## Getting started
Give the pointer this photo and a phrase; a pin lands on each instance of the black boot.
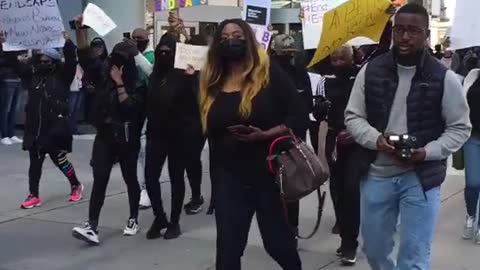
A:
(173, 231)
(158, 225)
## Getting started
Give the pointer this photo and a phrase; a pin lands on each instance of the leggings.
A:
(104, 156)
(194, 169)
(59, 158)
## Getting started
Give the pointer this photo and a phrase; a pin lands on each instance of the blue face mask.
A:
(233, 49)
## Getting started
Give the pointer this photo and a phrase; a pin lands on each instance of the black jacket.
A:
(173, 106)
(47, 100)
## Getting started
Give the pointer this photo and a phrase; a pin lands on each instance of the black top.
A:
(172, 106)
(473, 98)
(337, 91)
(279, 103)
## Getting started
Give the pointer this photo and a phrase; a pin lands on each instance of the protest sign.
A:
(31, 24)
(96, 18)
(355, 18)
(313, 12)
(263, 36)
(161, 5)
(466, 19)
(190, 55)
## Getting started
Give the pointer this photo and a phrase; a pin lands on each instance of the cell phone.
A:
(74, 27)
(240, 129)
(127, 35)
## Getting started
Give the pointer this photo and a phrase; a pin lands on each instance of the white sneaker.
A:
(6, 141)
(15, 139)
(144, 200)
(87, 234)
(132, 228)
(468, 232)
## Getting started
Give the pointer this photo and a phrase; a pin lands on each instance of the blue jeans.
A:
(75, 104)
(382, 200)
(471, 151)
(8, 108)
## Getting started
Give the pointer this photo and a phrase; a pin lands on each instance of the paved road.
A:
(40, 238)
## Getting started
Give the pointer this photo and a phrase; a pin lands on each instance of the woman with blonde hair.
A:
(245, 104)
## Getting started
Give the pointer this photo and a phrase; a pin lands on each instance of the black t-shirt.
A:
(473, 98)
(276, 104)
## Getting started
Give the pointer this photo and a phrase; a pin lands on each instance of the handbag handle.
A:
(272, 147)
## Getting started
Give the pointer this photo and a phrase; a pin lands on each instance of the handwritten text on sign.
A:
(190, 55)
(355, 18)
(31, 24)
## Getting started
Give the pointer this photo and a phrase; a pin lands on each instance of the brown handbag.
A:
(298, 170)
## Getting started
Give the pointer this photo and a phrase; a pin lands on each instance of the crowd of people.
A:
(395, 112)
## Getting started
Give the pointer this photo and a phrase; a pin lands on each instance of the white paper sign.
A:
(190, 55)
(463, 34)
(96, 18)
(313, 11)
(263, 35)
(31, 24)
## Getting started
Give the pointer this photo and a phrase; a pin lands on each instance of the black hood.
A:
(100, 41)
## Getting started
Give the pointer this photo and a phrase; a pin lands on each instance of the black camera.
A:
(404, 145)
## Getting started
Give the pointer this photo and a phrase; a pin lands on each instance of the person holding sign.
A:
(408, 113)
(47, 130)
(246, 102)
(173, 131)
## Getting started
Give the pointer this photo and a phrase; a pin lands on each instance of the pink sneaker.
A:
(76, 194)
(31, 202)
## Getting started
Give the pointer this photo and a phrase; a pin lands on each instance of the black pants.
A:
(194, 169)
(313, 129)
(181, 155)
(59, 158)
(236, 204)
(346, 196)
(104, 155)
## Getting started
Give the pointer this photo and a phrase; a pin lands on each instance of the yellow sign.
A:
(355, 18)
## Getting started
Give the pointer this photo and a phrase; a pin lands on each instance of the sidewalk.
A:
(41, 238)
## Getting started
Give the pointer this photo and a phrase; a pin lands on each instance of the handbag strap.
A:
(272, 147)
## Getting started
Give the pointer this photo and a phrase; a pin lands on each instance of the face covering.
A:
(233, 49)
(44, 69)
(142, 45)
(342, 71)
(165, 60)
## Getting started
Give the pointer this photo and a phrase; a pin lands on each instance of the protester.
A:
(144, 61)
(46, 124)
(10, 88)
(438, 52)
(344, 188)
(245, 104)
(115, 115)
(471, 151)
(76, 98)
(283, 53)
(173, 130)
(404, 92)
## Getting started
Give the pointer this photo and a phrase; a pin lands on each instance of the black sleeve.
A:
(296, 113)
(70, 66)
(307, 92)
(93, 68)
(135, 102)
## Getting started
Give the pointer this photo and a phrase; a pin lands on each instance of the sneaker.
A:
(349, 258)
(132, 228)
(30, 202)
(173, 232)
(144, 200)
(76, 194)
(87, 234)
(339, 252)
(6, 141)
(468, 228)
(155, 230)
(211, 209)
(15, 139)
(194, 206)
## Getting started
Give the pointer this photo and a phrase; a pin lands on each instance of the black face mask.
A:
(142, 45)
(165, 61)
(44, 69)
(343, 71)
(233, 49)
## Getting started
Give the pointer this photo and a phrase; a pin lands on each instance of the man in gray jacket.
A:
(404, 92)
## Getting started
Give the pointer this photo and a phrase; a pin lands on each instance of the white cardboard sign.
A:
(31, 24)
(465, 20)
(98, 20)
(190, 55)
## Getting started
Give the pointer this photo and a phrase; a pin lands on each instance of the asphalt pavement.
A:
(41, 238)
